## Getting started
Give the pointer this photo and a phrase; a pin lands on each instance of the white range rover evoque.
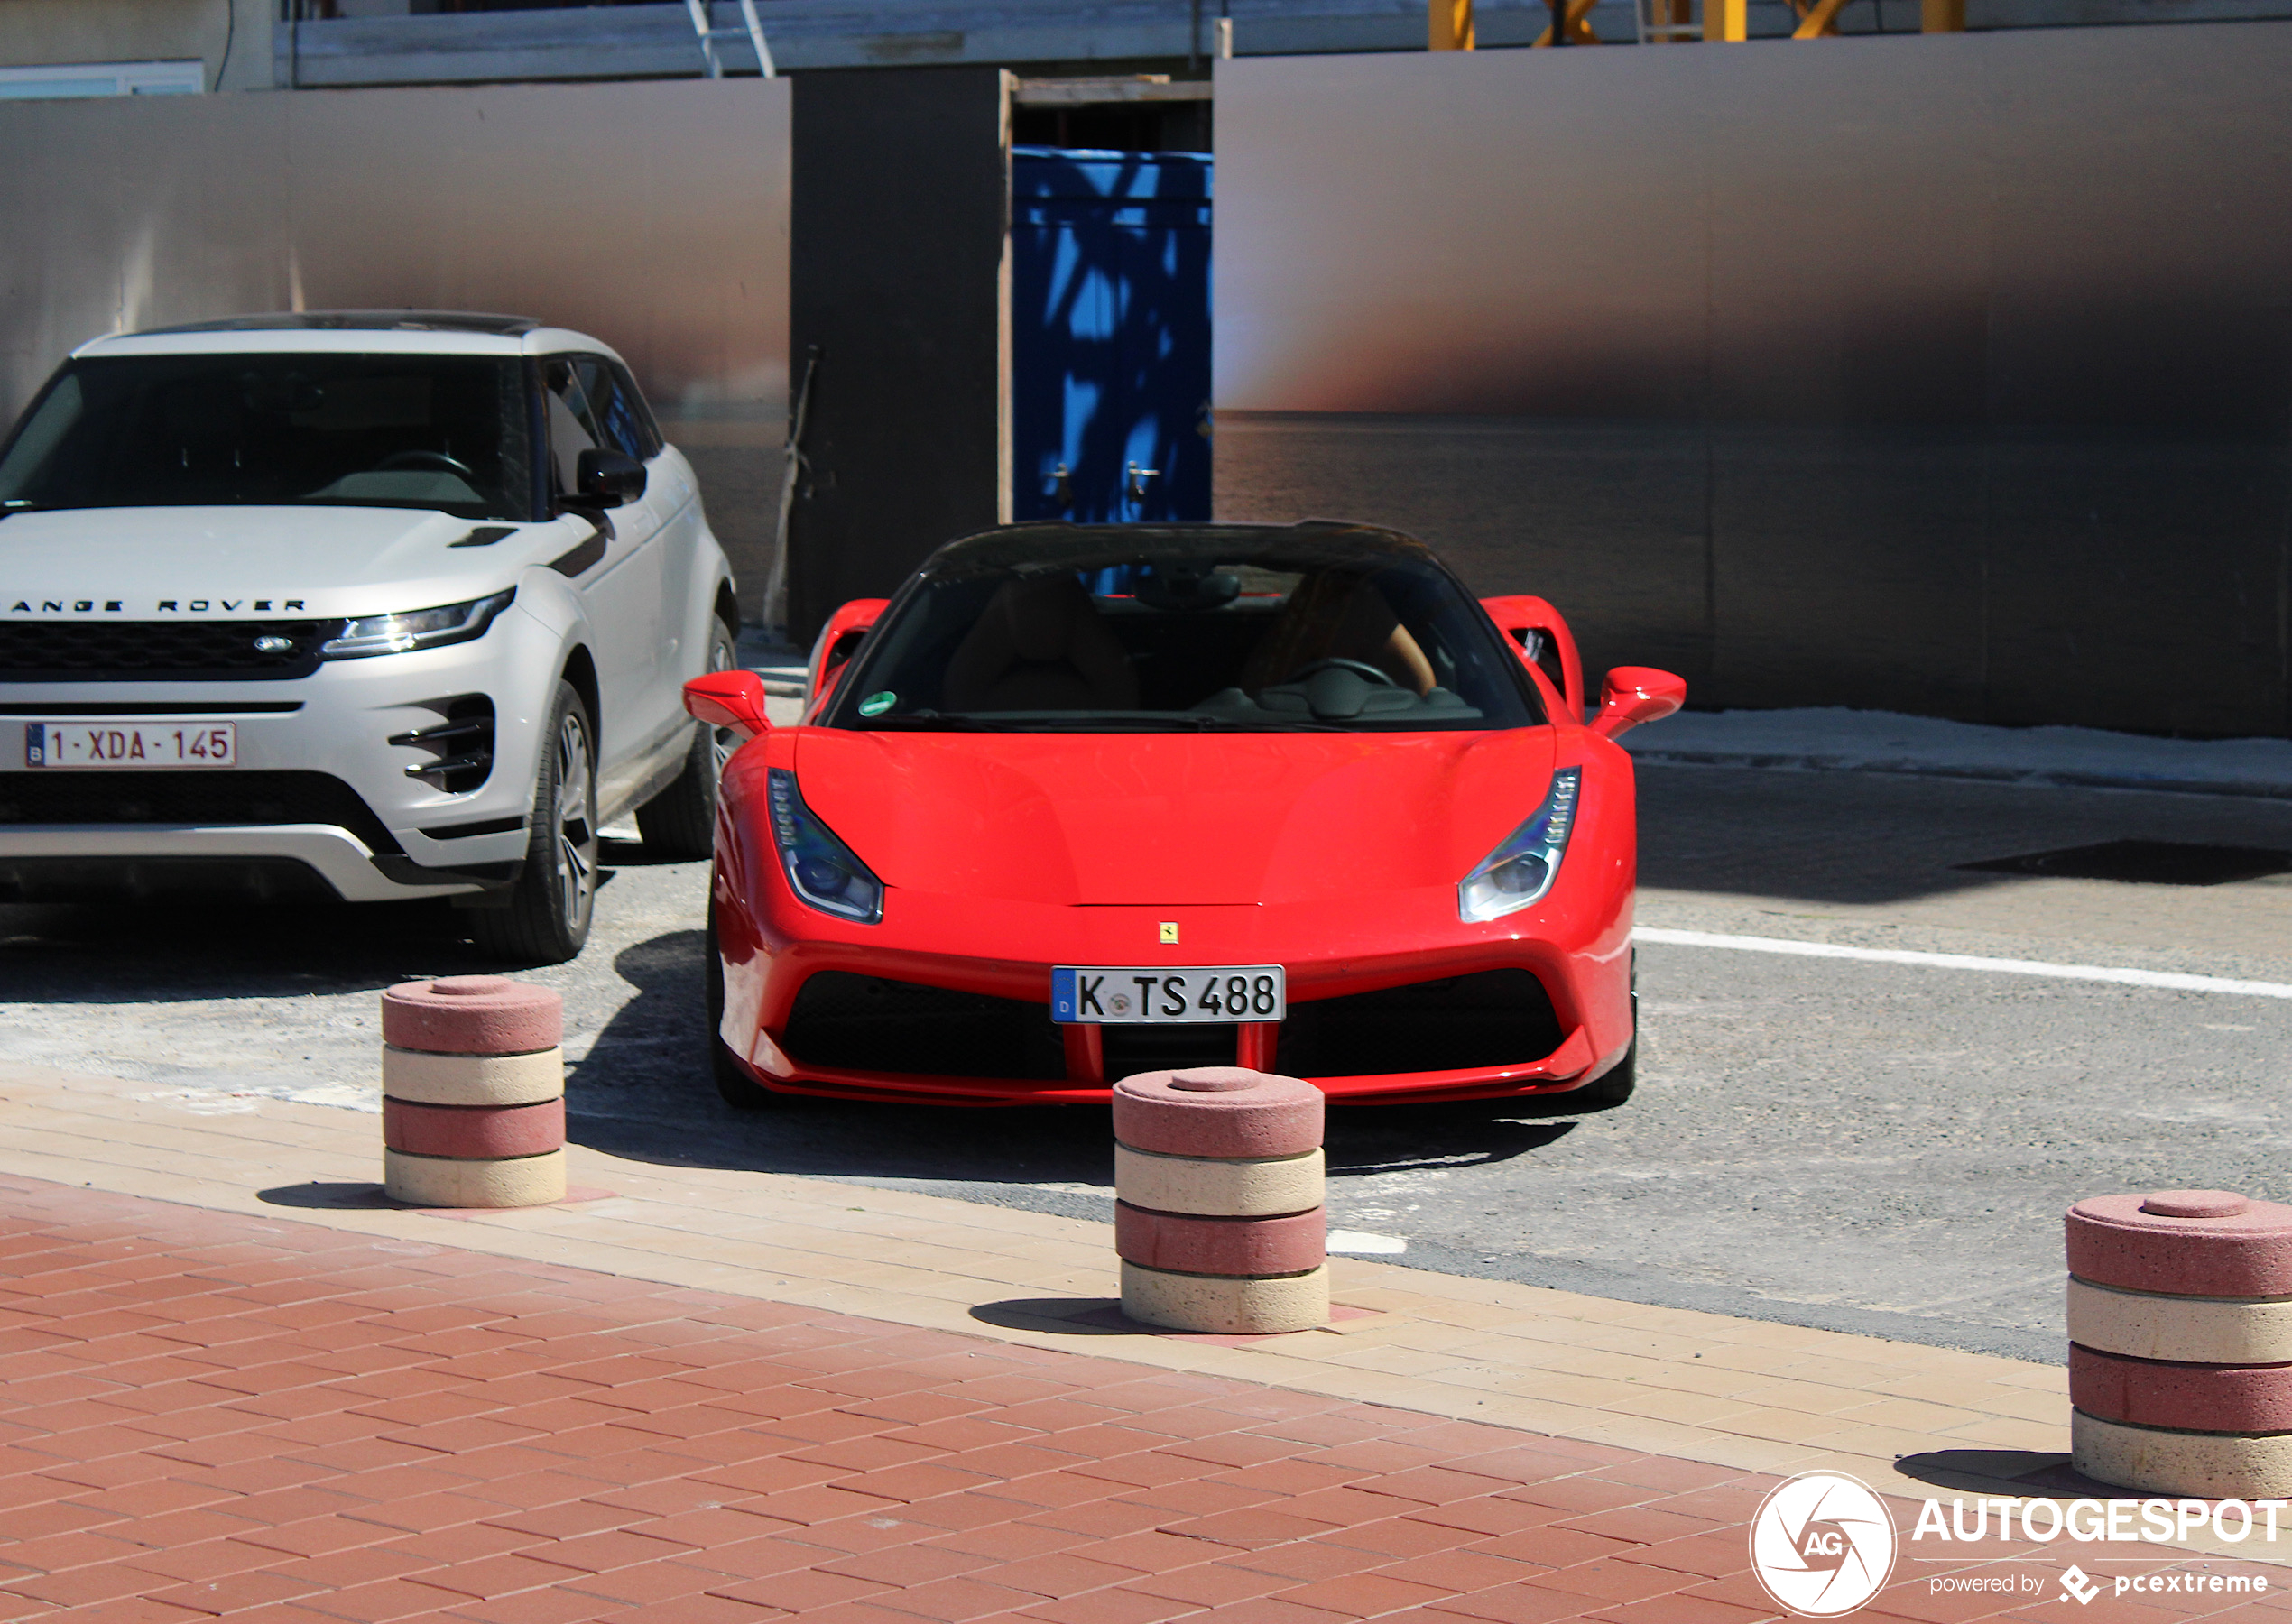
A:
(351, 605)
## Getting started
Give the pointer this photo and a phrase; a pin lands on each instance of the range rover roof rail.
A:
(418, 321)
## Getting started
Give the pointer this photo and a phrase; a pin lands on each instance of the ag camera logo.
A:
(1822, 1544)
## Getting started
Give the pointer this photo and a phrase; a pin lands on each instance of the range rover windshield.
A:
(443, 432)
(1187, 629)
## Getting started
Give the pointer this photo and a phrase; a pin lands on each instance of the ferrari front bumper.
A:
(1519, 1007)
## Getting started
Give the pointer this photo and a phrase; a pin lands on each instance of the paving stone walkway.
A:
(207, 1414)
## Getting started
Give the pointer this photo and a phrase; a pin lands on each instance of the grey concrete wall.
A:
(654, 216)
(1947, 374)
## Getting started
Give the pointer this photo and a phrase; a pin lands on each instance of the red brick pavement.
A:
(203, 1414)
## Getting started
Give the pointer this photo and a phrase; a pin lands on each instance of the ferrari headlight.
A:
(416, 629)
(821, 868)
(1520, 871)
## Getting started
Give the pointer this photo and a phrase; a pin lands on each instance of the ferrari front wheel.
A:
(737, 1088)
(1616, 1086)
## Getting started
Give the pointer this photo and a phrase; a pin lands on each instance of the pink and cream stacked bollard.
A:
(1218, 1215)
(2180, 1333)
(472, 1094)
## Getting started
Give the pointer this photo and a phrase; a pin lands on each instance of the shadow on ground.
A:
(2021, 1472)
(148, 954)
(161, 952)
(1875, 838)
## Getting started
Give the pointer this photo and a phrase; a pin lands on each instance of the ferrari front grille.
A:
(56, 796)
(1461, 1023)
(160, 651)
(1132, 1050)
(867, 1023)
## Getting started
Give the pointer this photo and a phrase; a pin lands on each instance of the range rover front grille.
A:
(159, 650)
(188, 796)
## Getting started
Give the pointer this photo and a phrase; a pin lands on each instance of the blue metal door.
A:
(1110, 341)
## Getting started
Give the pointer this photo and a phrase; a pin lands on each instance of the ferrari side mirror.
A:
(1636, 694)
(733, 699)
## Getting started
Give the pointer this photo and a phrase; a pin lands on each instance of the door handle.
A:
(1062, 487)
(1136, 478)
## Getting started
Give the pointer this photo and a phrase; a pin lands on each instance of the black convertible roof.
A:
(1102, 545)
(404, 321)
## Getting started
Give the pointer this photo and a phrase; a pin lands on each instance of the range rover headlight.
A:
(416, 629)
(821, 869)
(1521, 869)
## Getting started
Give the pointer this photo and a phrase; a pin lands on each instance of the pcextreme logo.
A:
(1822, 1544)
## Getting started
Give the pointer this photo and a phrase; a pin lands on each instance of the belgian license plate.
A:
(1160, 996)
(131, 744)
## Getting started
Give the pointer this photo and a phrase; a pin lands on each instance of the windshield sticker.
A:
(876, 705)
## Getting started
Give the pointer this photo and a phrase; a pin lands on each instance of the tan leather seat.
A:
(1040, 646)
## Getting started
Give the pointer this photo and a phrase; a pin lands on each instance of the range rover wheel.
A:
(682, 820)
(548, 916)
(740, 1090)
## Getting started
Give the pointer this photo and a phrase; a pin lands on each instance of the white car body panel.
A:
(640, 616)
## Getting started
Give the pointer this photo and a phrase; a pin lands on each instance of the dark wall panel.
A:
(901, 193)
(1950, 374)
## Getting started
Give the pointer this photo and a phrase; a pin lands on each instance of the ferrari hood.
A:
(231, 563)
(1172, 819)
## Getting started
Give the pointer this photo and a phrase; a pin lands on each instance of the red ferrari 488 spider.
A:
(1086, 801)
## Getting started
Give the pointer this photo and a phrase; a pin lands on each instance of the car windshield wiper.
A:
(931, 721)
(1270, 725)
(1164, 722)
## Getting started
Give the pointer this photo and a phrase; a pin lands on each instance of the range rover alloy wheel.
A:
(682, 820)
(549, 909)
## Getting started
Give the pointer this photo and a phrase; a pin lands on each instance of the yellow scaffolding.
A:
(1449, 22)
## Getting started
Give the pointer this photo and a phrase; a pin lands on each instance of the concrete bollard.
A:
(1218, 1213)
(2180, 1343)
(472, 1094)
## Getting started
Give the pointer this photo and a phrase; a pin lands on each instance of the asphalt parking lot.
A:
(1875, 1147)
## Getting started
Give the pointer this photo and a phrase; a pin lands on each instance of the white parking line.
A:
(1360, 1242)
(1967, 961)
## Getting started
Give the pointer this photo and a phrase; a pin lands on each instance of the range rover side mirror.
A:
(733, 699)
(1636, 694)
(603, 478)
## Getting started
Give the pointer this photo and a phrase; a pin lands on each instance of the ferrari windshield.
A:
(1185, 628)
(447, 432)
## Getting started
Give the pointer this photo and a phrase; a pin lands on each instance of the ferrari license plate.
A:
(131, 744)
(1162, 996)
